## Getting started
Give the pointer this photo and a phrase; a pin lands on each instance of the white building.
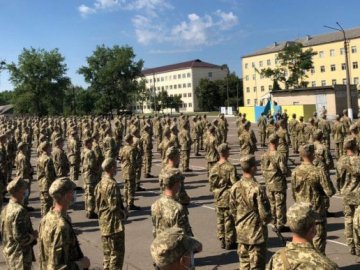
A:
(181, 79)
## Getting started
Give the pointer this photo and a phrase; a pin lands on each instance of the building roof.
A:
(309, 41)
(6, 108)
(197, 63)
(337, 87)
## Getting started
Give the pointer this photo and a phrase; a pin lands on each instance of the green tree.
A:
(208, 95)
(79, 101)
(6, 97)
(39, 81)
(112, 73)
(294, 61)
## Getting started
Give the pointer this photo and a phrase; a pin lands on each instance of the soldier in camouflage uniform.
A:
(3, 167)
(348, 175)
(300, 130)
(18, 235)
(112, 215)
(262, 129)
(270, 128)
(354, 134)
(89, 176)
(300, 253)
(46, 176)
(274, 171)
(284, 140)
(293, 133)
(74, 155)
(59, 246)
(324, 126)
(147, 146)
(309, 130)
(109, 144)
(310, 184)
(195, 136)
(173, 249)
(212, 155)
(223, 128)
(247, 141)
(61, 162)
(139, 153)
(222, 176)
(185, 147)
(338, 135)
(251, 210)
(158, 130)
(166, 212)
(346, 121)
(127, 160)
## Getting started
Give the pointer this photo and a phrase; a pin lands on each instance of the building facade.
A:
(329, 63)
(181, 79)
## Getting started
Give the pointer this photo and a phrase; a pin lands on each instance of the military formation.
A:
(95, 149)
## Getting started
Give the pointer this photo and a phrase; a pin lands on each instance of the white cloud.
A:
(85, 10)
(227, 20)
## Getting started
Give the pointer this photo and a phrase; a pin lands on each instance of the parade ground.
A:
(138, 228)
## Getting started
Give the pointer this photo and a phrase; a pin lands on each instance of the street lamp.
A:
(348, 95)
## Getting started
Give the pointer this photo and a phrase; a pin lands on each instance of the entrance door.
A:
(320, 103)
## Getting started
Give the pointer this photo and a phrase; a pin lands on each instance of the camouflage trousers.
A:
(252, 256)
(294, 143)
(89, 197)
(349, 212)
(319, 241)
(46, 202)
(19, 260)
(184, 159)
(356, 226)
(262, 138)
(1, 195)
(114, 251)
(196, 146)
(339, 149)
(285, 156)
(129, 191)
(74, 171)
(138, 172)
(225, 225)
(277, 201)
(147, 161)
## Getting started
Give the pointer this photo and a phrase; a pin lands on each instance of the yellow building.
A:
(329, 63)
(181, 79)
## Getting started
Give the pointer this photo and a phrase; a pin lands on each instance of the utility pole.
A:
(237, 96)
(346, 43)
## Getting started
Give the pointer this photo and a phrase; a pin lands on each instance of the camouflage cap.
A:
(172, 151)
(318, 134)
(247, 161)
(307, 149)
(128, 138)
(171, 244)
(350, 143)
(58, 139)
(44, 145)
(223, 147)
(60, 186)
(21, 145)
(314, 113)
(16, 184)
(301, 217)
(211, 128)
(344, 111)
(273, 138)
(73, 132)
(170, 177)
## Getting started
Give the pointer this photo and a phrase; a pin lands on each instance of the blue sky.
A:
(163, 31)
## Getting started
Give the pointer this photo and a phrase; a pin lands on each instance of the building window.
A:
(333, 67)
(322, 69)
(313, 84)
(246, 65)
(210, 74)
(333, 82)
(179, 76)
(260, 63)
(254, 88)
(332, 52)
(189, 75)
(184, 85)
(321, 54)
(174, 77)
(166, 87)
(189, 95)
(268, 62)
(175, 86)
(270, 87)
(312, 71)
(343, 66)
(353, 49)
(248, 101)
(355, 65)
(162, 79)
(356, 80)
(344, 81)
(254, 77)
(185, 105)
(190, 105)
(262, 88)
(179, 86)
(342, 51)
(255, 101)
(323, 83)
(247, 77)
(189, 85)
(162, 88)
(184, 75)
(247, 89)
(157, 79)
(171, 87)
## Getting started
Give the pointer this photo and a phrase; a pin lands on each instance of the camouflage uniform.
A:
(293, 134)
(195, 136)
(262, 129)
(128, 159)
(222, 177)
(338, 135)
(223, 129)
(185, 148)
(89, 176)
(98, 156)
(212, 155)
(147, 146)
(325, 127)
(247, 141)
(111, 213)
(24, 170)
(250, 208)
(61, 162)
(283, 147)
(300, 130)
(109, 146)
(17, 237)
(74, 157)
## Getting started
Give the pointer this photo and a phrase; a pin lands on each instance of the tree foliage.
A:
(164, 101)
(112, 73)
(39, 81)
(294, 61)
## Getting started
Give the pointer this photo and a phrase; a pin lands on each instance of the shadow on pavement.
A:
(218, 260)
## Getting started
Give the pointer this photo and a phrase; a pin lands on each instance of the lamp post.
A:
(348, 95)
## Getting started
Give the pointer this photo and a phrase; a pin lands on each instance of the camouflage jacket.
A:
(338, 132)
(98, 155)
(250, 208)
(89, 166)
(300, 128)
(292, 127)
(17, 236)
(270, 129)
(59, 247)
(309, 132)
(167, 213)
(222, 177)
(247, 141)
(73, 148)
(185, 139)
(23, 166)
(346, 121)
(283, 146)
(212, 154)
(163, 146)
(325, 127)
(109, 147)
(262, 124)
(61, 162)
(46, 172)
(300, 256)
(323, 157)
(147, 144)
(127, 160)
(274, 170)
(109, 206)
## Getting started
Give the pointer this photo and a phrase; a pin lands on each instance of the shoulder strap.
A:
(284, 260)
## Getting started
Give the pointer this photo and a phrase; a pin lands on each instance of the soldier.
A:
(195, 136)
(262, 128)
(166, 212)
(325, 127)
(338, 135)
(74, 157)
(112, 215)
(173, 249)
(46, 176)
(139, 153)
(118, 133)
(247, 141)
(274, 171)
(147, 146)
(300, 253)
(348, 177)
(59, 246)
(300, 130)
(250, 208)
(222, 176)
(354, 134)
(185, 147)
(309, 130)
(165, 143)
(127, 160)
(18, 235)
(212, 155)
(174, 141)
(89, 176)
(61, 162)
(109, 144)
(24, 170)
(158, 130)
(293, 133)
(283, 146)
(98, 154)
(270, 128)
(3, 167)
(223, 128)
(315, 119)
(310, 184)
(346, 121)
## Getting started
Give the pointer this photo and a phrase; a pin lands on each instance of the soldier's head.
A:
(129, 139)
(167, 132)
(62, 191)
(3, 138)
(354, 129)
(318, 135)
(22, 146)
(345, 112)
(301, 118)
(247, 125)
(224, 150)
(337, 117)
(282, 123)
(301, 219)
(171, 181)
(315, 114)
(173, 156)
(109, 166)
(248, 164)
(46, 147)
(307, 152)
(174, 129)
(17, 189)
(88, 142)
(294, 115)
(95, 136)
(212, 129)
(271, 121)
(172, 249)
(273, 141)
(59, 142)
(350, 146)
